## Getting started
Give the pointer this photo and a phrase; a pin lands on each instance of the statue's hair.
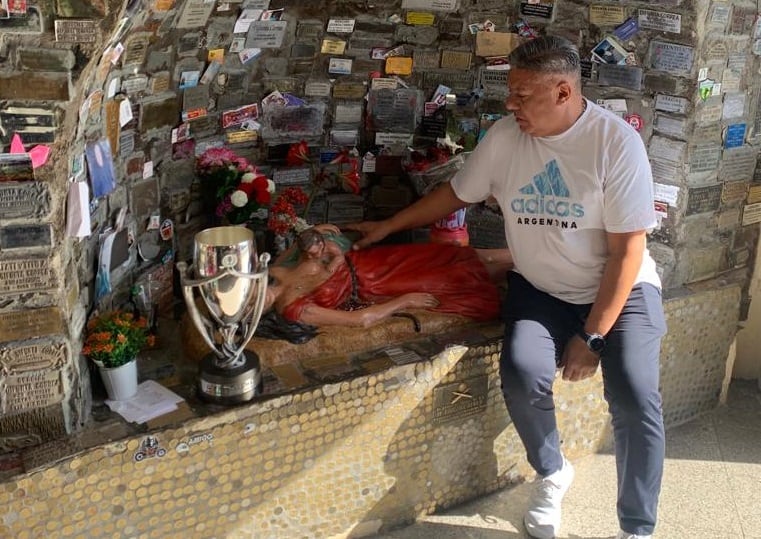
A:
(308, 238)
(547, 54)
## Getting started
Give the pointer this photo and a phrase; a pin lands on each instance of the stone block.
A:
(39, 59)
(35, 86)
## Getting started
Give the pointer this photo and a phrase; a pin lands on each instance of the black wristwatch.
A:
(595, 342)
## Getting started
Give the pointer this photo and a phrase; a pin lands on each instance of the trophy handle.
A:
(202, 323)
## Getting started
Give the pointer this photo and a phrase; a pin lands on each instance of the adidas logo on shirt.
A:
(547, 196)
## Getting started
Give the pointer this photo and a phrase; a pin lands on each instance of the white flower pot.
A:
(120, 382)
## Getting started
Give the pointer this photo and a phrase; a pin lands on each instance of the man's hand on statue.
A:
(578, 361)
(420, 300)
(372, 232)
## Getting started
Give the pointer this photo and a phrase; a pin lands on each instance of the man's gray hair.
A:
(547, 54)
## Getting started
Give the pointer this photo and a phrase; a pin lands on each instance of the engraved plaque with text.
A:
(703, 199)
(26, 275)
(31, 391)
(16, 360)
(30, 323)
(460, 400)
(24, 199)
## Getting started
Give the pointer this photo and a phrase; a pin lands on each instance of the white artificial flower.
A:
(270, 186)
(239, 198)
(248, 177)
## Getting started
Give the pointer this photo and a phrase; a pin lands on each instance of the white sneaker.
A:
(626, 535)
(542, 520)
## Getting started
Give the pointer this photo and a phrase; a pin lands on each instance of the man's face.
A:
(537, 101)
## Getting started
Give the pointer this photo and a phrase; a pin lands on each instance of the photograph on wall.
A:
(100, 165)
(609, 51)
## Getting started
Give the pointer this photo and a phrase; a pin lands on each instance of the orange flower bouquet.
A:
(114, 338)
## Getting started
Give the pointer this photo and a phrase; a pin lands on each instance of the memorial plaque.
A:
(35, 85)
(622, 76)
(458, 81)
(606, 15)
(660, 83)
(671, 103)
(709, 111)
(195, 14)
(707, 133)
(135, 84)
(76, 30)
(734, 106)
(433, 126)
(27, 199)
(704, 157)
(738, 164)
(266, 34)
(348, 113)
(32, 391)
(751, 214)
(311, 29)
(535, 9)
(16, 167)
(25, 237)
(494, 82)
(426, 59)
(735, 191)
(318, 89)
(349, 89)
(742, 20)
(664, 171)
(703, 199)
(133, 166)
(671, 57)
(460, 400)
(31, 324)
(19, 360)
(737, 61)
(18, 276)
(671, 125)
(430, 5)
(284, 177)
(451, 59)
(159, 111)
(660, 21)
(34, 59)
(136, 49)
(728, 219)
(126, 143)
(716, 53)
(754, 194)
(666, 149)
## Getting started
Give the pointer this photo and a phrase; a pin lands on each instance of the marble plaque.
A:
(266, 34)
(195, 14)
(136, 49)
(703, 199)
(458, 81)
(31, 391)
(76, 30)
(536, 9)
(664, 171)
(671, 125)
(25, 236)
(666, 149)
(671, 103)
(671, 57)
(622, 76)
(738, 164)
(494, 82)
(460, 400)
(318, 89)
(728, 219)
(660, 21)
(709, 111)
(705, 157)
(284, 177)
(26, 358)
(24, 199)
(30, 324)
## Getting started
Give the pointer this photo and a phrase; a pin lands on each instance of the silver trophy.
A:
(233, 288)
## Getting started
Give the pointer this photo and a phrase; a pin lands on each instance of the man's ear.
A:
(564, 91)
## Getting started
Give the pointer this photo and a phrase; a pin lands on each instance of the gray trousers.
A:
(537, 327)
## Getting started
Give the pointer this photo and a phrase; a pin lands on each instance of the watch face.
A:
(596, 344)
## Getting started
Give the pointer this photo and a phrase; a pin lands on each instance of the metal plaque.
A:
(24, 199)
(349, 89)
(671, 57)
(539, 10)
(17, 360)
(703, 199)
(25, 236)
(622, 76)
(460, 400)
(453, 59)
(76, 30)
(426, 59)
(606, 15)
(26, 275)
(30, 324)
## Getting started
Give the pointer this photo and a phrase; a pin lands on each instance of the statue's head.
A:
(311, 243)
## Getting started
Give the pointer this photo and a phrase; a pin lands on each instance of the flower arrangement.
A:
(114, 338)
(237, 187)
(283, 218)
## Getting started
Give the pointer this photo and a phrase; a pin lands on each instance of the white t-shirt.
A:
(561, 194)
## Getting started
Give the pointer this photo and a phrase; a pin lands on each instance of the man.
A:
(575, 187)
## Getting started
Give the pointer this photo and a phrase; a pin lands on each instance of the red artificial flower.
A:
(298, 154)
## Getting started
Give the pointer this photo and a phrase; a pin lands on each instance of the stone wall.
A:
(77, 74)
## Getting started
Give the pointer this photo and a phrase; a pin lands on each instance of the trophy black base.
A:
(230, 386)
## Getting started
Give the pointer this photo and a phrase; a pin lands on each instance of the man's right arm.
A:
(435, 205)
